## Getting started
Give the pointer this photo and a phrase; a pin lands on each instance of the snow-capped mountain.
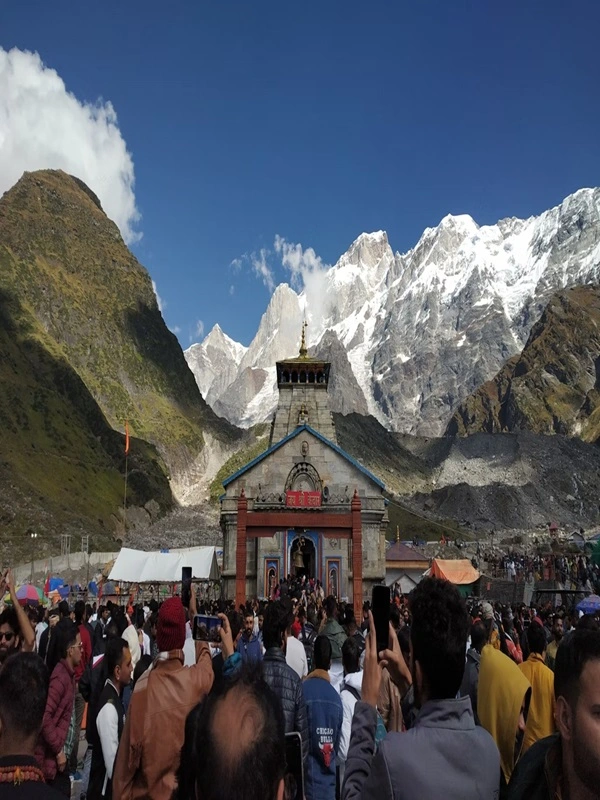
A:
(215, 363)
(421, 329)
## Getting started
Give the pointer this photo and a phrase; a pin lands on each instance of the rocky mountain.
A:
(553, 386)
(510, 481)
(216, 362)
(83, 348)
(424, 329)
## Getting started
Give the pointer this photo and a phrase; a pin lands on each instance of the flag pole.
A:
(126, 466)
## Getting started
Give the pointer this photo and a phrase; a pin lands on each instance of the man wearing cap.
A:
(149, 752)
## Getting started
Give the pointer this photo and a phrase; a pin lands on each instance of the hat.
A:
(170, 630)
(487, 612)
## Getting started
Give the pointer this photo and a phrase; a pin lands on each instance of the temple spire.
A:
(303, 348)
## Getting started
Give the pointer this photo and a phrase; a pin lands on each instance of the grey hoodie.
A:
(444, 755)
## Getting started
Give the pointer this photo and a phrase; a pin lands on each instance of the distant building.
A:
(304, 506)
(404, 566)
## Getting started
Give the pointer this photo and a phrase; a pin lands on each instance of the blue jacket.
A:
(249, 649)
(325, 715)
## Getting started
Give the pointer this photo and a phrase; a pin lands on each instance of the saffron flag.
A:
(126, 437)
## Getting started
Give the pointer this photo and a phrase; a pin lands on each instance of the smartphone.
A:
(206, 628)
(186, 586)
(294, 775)
(380, 607)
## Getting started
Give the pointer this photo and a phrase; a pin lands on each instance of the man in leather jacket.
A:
(279, 676)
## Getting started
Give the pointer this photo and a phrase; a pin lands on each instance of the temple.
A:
(304, 506)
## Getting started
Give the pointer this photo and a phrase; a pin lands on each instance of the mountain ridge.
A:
(425, 328)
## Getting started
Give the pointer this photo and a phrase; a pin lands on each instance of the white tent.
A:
(139, 566)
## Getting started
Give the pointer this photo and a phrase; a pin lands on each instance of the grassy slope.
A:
(553, 386)
(61, 465)
(66, 261)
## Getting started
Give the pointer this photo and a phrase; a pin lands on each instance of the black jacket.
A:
(288, 687)
(98, 768)
(537, 772)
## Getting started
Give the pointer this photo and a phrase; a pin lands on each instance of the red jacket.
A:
(57, 718)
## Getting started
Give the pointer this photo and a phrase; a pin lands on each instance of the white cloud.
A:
(175, 329)
(237, 263)
(262, 269)
(161, 303)
(199, 331)
(308, 274)
(44, 126)
(232, 289)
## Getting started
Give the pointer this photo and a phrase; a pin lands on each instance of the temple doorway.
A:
(303, 558)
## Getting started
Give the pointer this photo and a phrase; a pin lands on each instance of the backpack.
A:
(380, 730)
(308, 640)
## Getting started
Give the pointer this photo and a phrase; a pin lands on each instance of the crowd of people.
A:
(574, 571)
(293, 699)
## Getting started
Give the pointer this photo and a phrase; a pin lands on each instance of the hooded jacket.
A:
(444, 755)
(324, 710)
(501, 693)
(336, 635)
(540, 720)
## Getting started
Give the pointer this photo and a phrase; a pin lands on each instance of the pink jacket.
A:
(57, 718)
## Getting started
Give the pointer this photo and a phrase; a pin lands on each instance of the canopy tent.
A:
(405, 581)
(458, 570)
(139, 566)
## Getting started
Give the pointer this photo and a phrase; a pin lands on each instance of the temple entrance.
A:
(303, 558)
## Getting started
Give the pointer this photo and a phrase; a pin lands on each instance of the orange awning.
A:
(457, 570)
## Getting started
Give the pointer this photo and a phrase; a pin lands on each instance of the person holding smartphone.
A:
(147, 761)
(444, 754)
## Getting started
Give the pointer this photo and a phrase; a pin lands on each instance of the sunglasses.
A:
(8, 636)
(77, 644)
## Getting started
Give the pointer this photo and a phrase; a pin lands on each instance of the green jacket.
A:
(336, 635)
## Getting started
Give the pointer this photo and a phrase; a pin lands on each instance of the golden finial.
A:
(303, 349)
(397, 533)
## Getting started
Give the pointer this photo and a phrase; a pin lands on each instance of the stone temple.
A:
(304, 506)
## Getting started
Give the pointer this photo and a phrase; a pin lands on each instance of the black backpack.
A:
(307, 637)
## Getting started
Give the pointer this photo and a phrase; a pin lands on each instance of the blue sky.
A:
(317, 121)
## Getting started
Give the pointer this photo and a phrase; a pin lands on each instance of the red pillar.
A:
(355, 507)
(240, 551)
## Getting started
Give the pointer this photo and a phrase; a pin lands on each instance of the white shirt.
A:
(354, 679)
(39, 629)
(295, 656)
(107, 723)
(189, 647)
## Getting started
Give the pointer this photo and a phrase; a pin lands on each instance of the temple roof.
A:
(300, 429)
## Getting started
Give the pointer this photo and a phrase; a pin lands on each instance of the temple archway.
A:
(303, 557)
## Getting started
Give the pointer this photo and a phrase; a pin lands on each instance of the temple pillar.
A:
(355, 508)
(241, 551)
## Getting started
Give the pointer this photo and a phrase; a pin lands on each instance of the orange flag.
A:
(126, 437)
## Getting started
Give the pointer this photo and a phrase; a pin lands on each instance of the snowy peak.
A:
(422, 329)
(219, 340)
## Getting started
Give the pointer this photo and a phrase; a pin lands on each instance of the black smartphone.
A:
(294, 775)
(206, 628)
(380, 607)
(186, 586)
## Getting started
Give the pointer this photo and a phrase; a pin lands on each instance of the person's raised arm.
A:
(27, 632)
